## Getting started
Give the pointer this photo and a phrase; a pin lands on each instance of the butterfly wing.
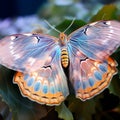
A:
(38, 58)
(47, 85)
(26, 52)
(89, 47)
(90, 77)
(97, 40)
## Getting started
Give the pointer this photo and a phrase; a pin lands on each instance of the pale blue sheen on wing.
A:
(91, 81)
(37, 86)
(39, 54)
(81, 74)
(45, 89)
(103, 67)
(48, 82)
(97, 40)
(26, 77)
(57, 77)
(98, 75)
(30, 81)
(23, 52)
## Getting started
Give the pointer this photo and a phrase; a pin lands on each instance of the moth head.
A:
(63, 38)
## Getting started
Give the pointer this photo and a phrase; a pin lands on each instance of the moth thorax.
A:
(64, 57)
(63, 39)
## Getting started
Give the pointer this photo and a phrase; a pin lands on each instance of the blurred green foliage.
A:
(108, 12)
(64, 112)
(104, 106)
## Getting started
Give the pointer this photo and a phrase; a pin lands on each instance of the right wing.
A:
(90, 77)
(96, 40)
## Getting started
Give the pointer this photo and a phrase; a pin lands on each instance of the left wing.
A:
(26, 52)
(37, 57)
(97, 40)
(47, 85)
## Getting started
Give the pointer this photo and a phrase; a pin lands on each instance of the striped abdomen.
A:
(64, 57)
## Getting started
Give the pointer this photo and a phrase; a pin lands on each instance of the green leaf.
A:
(64, 112)
(65, 24)
(81, 109)
(115, 83)
(108, 12)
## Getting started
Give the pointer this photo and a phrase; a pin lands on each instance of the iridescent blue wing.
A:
(89, 47)
(26, 52)
(47, 85)
(97, 40)
(90, 77)
(38, 59)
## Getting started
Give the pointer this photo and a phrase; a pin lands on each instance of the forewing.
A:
(26, 52)
(89, 77)
(96, 40)
(46, 85)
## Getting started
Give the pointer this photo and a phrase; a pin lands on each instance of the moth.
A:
(40, 60)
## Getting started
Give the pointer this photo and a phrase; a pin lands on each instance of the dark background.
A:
(13, 8)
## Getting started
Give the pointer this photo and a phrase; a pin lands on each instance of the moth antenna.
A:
(104, 15)
(69, 25)
(52, 26)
